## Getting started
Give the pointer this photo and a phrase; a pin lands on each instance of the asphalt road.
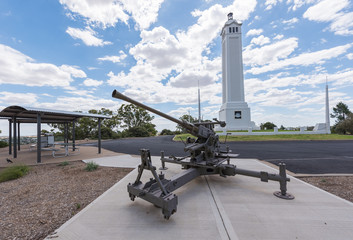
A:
(308, 157)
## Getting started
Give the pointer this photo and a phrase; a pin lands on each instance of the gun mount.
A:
(204, 148)
(205, 158)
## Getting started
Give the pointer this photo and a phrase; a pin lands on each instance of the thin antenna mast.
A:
(328, 128)
(198, 88)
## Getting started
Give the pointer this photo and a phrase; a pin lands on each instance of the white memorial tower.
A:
(234, 110)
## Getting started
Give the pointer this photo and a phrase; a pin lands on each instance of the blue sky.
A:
(71, 55)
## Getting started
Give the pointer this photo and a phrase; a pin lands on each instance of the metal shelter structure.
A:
(18, 114)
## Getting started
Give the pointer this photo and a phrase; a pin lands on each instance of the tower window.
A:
(236, 29)
(230, 30)
(233, 29)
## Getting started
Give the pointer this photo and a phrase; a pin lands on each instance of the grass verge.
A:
(284, 137)
(13, 172)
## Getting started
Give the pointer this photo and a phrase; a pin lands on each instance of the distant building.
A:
(234, 110)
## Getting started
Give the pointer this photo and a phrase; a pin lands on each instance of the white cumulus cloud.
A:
(334, 12)
(191, 79)
(295, 4)
(144, 12)
(169, 66)
(271, 3)
(304, 59)
(21, 99)
(325, 10)
(74, 71)
(99, 12)
(83, 104)
(92, 83)
(114, 59)
(269, 53)
(278, 37)
(254, 32)
(260, 40)
(18, 68)
(87, 36)
(107, 13)
(290, 21)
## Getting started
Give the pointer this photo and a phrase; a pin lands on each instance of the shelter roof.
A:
(29, 114)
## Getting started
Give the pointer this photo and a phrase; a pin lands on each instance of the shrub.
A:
(167, 132)
(13, 172)
(136, 132)
(77, 206)
(91, 166)
(267, 125)
(62, 164)
(3, 144)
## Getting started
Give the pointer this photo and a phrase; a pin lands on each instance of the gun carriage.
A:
(205, 158)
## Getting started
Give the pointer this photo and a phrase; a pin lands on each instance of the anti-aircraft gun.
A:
(205, 158)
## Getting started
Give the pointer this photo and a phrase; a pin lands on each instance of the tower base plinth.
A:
(236, 115)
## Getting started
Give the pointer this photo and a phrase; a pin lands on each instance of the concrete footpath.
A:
(213, 207)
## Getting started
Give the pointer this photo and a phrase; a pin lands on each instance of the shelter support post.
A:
(19, 137)
(66, 137)
(10, 137)
(99, 136)
(14, 138)
(73, 134)
(39, 130)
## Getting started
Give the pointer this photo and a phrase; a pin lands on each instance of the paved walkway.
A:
(124, 161)
(214, 208)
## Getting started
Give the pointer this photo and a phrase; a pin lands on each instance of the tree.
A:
(43, 131)
(267, 125)
(136, 120)
(340, 112)
(167, 132)
(133, 116)
(346, 125)
(185, 118)
(87, 127)
(108, 125)
(112, 122)
(282, 128)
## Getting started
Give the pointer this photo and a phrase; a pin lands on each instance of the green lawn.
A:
(275, 137)
(269, 130)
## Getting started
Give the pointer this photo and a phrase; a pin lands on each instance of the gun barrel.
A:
(121, 96)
